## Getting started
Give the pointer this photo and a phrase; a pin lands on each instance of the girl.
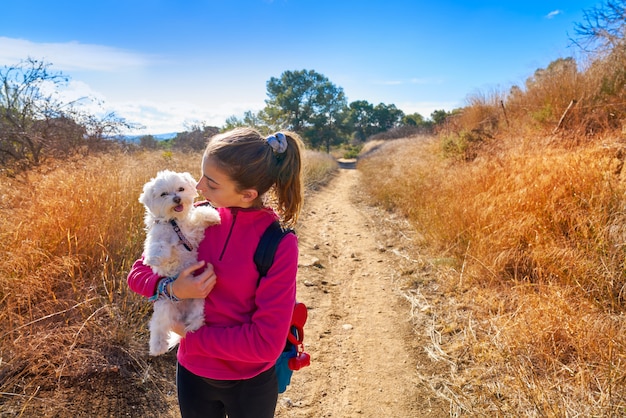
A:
(227, 366)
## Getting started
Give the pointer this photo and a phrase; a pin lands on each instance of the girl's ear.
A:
(249, 195)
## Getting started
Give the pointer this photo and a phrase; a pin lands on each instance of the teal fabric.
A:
(283, 372)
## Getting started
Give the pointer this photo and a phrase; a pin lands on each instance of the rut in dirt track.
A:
(364, 351)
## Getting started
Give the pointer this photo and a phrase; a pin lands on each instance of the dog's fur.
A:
(168, 196)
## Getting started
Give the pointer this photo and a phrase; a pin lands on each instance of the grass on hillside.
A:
(530, 246)
(69, 233)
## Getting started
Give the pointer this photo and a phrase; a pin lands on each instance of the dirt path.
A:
(364, 352)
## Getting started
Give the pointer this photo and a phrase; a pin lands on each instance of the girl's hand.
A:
(188, 286)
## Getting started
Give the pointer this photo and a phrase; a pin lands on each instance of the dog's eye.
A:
(163, 194)
(181, 189)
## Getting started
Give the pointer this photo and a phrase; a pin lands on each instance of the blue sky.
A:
(167, 64)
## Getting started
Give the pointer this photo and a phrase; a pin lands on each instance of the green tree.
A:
(307, 103)
(326, 121)
(439, 116)
(364, 119)
(386, 117)
(254, 120)
(291, 99)
(414, 119)
(417, 123)
(360, 116)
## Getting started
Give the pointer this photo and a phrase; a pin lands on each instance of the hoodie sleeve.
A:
(142, 280)
(263, 338)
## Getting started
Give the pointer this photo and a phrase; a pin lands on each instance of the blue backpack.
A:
(293, 356)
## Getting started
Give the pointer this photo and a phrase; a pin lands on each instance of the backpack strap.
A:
(265, 251)
(293, 356)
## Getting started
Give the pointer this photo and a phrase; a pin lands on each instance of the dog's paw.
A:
(158, 346)
(206, 216)
(148, 258)
(194, 325)
(172, 340)
(193, 316)
(152, 260)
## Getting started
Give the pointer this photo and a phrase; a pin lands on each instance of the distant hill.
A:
(158, 137)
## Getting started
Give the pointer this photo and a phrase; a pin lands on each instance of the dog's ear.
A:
(145, 198)
(146, 195)
(190, 180)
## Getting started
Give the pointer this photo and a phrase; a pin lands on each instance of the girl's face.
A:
(220, 190)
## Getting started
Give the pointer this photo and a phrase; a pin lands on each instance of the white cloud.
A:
(75, 90)
(554, 14)
(426, 108)
(158, 117)
(152, 117)
(71, 55)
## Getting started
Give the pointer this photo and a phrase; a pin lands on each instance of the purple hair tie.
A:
(278, 142)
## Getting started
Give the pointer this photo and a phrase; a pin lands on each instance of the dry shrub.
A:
(546, 95)
(484, 113)
(602, 107)
(318, 168)
(532, 322)
(472, 131)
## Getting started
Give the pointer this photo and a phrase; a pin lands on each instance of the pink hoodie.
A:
(245, 326)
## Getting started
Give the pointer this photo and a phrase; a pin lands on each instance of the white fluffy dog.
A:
(174, 228)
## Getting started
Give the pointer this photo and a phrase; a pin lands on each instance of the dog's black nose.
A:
(177, 199)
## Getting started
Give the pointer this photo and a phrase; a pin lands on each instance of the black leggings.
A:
(250, 398)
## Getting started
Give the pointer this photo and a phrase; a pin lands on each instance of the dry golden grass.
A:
(317, 168)
(529, 246)
(68, 236)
